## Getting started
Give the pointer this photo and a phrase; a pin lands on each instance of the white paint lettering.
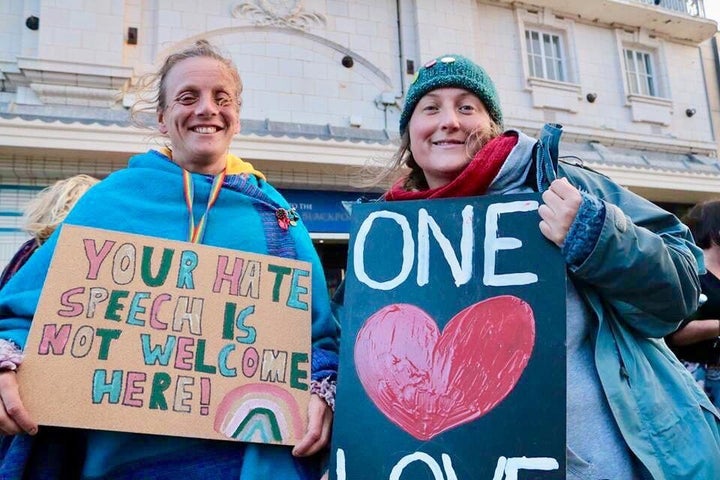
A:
(506, 468)
(515, 464)
(494, 244)
(417, 457)
(447, 465)
(340, 464)
(407, 251)
(461, 271)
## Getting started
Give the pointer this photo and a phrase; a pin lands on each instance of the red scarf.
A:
(474, 180)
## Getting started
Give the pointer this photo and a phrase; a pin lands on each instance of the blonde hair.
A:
(50, 207)
(415, 179)
(151, 89)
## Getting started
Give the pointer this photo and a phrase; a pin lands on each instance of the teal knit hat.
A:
(449, 71)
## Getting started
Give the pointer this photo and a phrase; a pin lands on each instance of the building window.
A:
(545, 55)
(640, 73)
(549, 61)
(642, 59)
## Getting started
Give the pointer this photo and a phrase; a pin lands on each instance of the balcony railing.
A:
(683, 20)
(689, 7)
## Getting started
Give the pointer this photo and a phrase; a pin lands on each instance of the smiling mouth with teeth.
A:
(205, 129)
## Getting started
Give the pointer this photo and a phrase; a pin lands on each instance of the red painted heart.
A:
(426, 382)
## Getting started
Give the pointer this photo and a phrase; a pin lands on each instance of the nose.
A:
(449, 119)
(206, 106)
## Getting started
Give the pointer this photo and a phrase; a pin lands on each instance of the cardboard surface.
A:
(147, 335)
(453, 347)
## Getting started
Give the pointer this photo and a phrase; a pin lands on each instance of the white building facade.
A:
(324, 81)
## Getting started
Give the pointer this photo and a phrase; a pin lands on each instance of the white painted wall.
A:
(296, 75)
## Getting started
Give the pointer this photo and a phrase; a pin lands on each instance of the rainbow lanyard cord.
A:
(196, 232)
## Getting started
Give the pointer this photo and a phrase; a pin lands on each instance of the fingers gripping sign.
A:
(561, 204)
(14, 418)
(319, 425)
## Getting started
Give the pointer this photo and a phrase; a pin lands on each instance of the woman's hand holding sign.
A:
(14, 418)
(562, 202)
(318, 432)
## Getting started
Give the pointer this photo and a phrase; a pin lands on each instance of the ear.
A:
(239, 127)
(161, 122)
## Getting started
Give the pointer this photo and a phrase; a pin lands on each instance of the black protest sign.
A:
(453, 347)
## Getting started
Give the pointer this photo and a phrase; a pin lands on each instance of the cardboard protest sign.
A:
(147, 335)
(452, 361)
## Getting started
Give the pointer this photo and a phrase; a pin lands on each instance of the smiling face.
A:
(439, 128)
(201, 113)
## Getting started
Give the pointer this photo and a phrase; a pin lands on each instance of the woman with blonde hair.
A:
(43, 215)
(192, 190)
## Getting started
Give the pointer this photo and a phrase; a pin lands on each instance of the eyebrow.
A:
(195, 89)
(461, 96)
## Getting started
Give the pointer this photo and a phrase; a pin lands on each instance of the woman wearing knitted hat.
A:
(632, 410)
(192, 190)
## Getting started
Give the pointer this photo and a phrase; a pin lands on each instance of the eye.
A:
(223, 100)
(430, 108)
(468, 108)
(186, 99)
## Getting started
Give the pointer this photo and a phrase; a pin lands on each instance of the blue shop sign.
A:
(322, 211)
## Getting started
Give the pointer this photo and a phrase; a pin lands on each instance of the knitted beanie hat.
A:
(449, 71)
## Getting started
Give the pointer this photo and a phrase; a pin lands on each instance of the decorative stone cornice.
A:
(81, 96)
(69, 83)
(278, 13)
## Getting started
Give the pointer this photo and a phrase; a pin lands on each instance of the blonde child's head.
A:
(50, 207)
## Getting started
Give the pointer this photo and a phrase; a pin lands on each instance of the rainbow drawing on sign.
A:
(259, 413)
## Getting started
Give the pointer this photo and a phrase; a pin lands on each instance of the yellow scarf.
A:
(235, 165)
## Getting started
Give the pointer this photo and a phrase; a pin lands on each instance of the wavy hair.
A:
(50, 206)
(415, 178)
(152, 87)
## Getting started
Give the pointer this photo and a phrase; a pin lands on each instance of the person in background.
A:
(697, 342)
(633, 412)
(192, 190)
(43, 215)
